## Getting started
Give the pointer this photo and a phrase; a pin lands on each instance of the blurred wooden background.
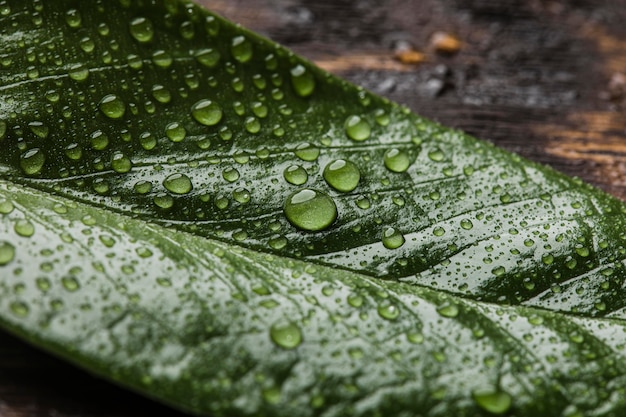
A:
(543, 78)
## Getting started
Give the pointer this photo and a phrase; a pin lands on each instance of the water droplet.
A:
(99, 140)
(241, 195)
(208, 57)
(241, 48)
(175, 132)
(259, 109)
(302, 80)
(310, 210)
(342, 175)
(39, 129)
(162, 58)
(7, 252)
(207, 112)
(439, 231)
(307, 152)
(163, 200)
(73, 18)
(78, 72)
(363, 203)
(230, 174)
(355, 300)
(121, 163)
(286, 334)
(19, 308)
(388, 311)
(272, 395)
(467, 224)
(397, 160)
(141, 29)
(178, 184)
(357, 128)
(32, 161)
(296, 175)
(448, 310)
(582, 251)
(382, 118)
(252, 124)
(436, 155)
(142, 187)
(70, 284)
(492, 401)
(161, 94)
(147, 141)
(278, 242)
(392, 238)
(73, 151)
(24, 228)
(6, 206)
(112, 106)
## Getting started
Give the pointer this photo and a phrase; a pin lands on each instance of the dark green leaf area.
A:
(170, 114)
(218, 329)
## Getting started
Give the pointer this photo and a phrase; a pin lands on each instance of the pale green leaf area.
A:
(195, 213)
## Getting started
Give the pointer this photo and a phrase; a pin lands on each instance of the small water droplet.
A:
(278, 242)
(7, 252)
(467, 224)
(286, 334)
(39, 129)
(70, 284)
(6, 206)
(355, 300)
(19, 308)
(230, 174)
(392, 238)
(163, 200)
(99, 140)
(296, 175)
(448, 310)
(142, 29)
(32, 161)
(493, 401)
(162, 58)
(241, 49)
(142, 187)
(307, 152)
(310, 210)
(252, 124)
(208, 57)
(147, 141)
(73, 151)
(121, 163)
(357, 128)
(161, 94)
(178, 184)
(396, 160)
(73, 18)
(302, 80)
(24, 228)
(388, 311)
(436, 155)
(241, 195)
(112, 106)
(207, 112)
(78, 72)
(342, 175)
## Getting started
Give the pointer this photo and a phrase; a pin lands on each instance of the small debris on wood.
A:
(445, 43)
(406, 54)
(617, 87)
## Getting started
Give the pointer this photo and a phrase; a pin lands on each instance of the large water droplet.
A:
(397, 160)
(178, 184)
(357, 128)
(112, 106)
(310, 210)
(32, 161)
(7, 252)
(392, 238)
(495, 402)
(342, 175)
(286, 334)
(141, 29)
(207, 112)
(296, 175)
(241, 49)
(302, 81)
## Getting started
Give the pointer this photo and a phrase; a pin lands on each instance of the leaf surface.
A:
(197, 214)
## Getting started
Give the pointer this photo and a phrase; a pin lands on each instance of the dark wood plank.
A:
(537, 77)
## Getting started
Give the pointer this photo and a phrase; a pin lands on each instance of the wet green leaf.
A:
(197, 214)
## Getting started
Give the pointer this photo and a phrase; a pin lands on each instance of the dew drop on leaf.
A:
(32, 161)
(286, 334)
(206, 112)
(388, 311)
(252, 125)
(396, 160)
(121, 163)
(302, 81)
(310, 210)
(142, 29)
(230, 174)
(295, 174)
(342, 175)
(436, 155)
(142, 187)
(448, 310)
(467, 224)
(7, 252)
(78, 72)
(208, 57)
(73, 151)
(6, 206)
(19, 308)
(307, 152)
(163, 200)
(178, 184)
(392, 238)
(70, 284)
(112, 106)
(161, 94)
(495, 402)
(241, 49)
(73, 18)
(99, 140)
(24, 228)
(357, 128)
(39, 129)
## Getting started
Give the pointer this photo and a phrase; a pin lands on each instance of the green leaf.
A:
(196, 213)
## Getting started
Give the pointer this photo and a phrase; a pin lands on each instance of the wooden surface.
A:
(545, 79)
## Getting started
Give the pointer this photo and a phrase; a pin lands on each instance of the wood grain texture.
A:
(537, 77)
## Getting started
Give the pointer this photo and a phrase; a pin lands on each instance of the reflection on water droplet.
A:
(112, 106)
(141, 29)
(357, 128)
(296, 175)
(241, 49)
(392, 238)
(397, 160)
(310, 210)
(493, 401)
(286, 334)
(206, 112)
(342, 175)
(302, 80)
(32, 161)
(178, 184)
(7, 252)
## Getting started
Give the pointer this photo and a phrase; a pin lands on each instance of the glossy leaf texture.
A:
(198, 214)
